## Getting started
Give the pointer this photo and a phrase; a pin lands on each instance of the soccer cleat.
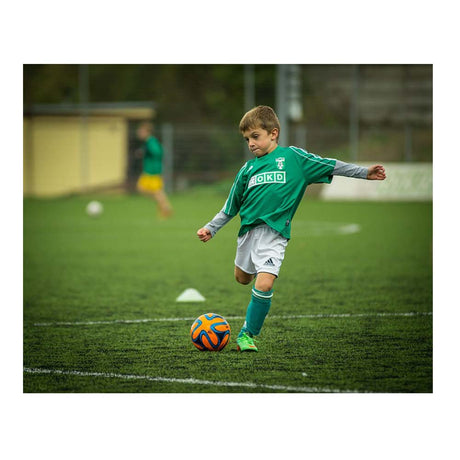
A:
(245, 343)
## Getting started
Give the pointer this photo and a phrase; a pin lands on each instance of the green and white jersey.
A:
(268, 189)
(153, 156)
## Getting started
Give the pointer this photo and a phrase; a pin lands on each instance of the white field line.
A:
(153, 320)
(189, 381)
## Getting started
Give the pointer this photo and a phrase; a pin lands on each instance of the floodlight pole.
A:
(354, 114)
(249, 97)
(281, 102)
(249, 87)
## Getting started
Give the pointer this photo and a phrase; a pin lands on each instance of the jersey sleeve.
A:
(154, 147)
(316, 169)
(235, 197)
(350, 170)
(219, 220)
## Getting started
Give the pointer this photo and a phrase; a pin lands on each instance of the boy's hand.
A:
(204, 234)
(376, 172)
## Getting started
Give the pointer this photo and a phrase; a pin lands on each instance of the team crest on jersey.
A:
(280, 162)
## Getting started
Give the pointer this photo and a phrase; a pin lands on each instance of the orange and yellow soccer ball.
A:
(210, 332)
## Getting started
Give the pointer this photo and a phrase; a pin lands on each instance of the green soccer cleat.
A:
(245, 343)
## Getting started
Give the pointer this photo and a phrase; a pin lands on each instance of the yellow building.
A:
(76, 149)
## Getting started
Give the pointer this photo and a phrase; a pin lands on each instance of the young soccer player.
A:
(150, 181)
(266, 193)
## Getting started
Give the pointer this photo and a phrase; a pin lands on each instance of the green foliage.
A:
(127, 265)
(214, 95)
(182, 92)
(50, 84)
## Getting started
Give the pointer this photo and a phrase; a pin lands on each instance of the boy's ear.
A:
(275, 132)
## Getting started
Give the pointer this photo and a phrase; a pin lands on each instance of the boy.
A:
(150, 181)
(266, 192)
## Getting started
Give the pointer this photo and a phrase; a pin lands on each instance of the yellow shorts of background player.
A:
(150, 183)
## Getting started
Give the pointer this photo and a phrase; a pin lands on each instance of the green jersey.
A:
(268, 189)
(153, 156)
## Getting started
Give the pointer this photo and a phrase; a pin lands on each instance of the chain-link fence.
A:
(197, 154)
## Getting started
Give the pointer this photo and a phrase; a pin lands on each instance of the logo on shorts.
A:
(280, 162)
(273, 177)
(269, 262)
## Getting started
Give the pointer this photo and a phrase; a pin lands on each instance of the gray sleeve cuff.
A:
(349, 170)
(219, 220)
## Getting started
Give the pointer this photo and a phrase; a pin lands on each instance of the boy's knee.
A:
(264, 282)
(243, 279)
(265, 286)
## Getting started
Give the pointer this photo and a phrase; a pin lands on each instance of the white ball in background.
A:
(94, 208)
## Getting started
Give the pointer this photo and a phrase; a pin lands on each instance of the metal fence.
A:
(197, 154)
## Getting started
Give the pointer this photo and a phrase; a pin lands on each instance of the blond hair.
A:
(263, 117)
(147, 125)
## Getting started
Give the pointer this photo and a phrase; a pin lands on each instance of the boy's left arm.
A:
(375, 172)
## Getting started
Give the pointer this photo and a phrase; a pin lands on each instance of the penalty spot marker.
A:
(190, 295)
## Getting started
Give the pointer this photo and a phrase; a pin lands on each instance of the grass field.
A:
(352, 309)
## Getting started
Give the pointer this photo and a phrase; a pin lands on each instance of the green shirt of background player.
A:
(266, 193)
(150, 182)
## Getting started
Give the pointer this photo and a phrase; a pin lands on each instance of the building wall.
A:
(64, 155)
(404, 182)
(26, 157)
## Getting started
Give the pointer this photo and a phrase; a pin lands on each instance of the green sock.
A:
(256, 312)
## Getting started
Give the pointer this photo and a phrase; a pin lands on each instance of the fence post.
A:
(354, 115)
(249, 97)
(281, 102)
(407, 143)
(300, 138)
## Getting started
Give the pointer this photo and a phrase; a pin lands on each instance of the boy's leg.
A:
(259, 251)
(163, 203)
(242, 277)
(264, 281)
(259, 306)
(152, 186)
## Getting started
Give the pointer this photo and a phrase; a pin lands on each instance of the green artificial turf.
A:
(338, 322)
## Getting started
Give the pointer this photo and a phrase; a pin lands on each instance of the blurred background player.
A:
(266, 193)
(150, 181)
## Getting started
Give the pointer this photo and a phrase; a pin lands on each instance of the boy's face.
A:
(142, 133)
(260, 142)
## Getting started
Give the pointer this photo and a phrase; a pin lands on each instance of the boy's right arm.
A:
(204, 234)
(230, 209)
(211, 228)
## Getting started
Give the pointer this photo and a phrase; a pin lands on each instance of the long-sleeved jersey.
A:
(268, 189)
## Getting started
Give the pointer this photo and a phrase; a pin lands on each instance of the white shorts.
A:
(260, 250)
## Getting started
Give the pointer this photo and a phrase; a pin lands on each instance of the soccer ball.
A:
(210, 332)
(94, 208)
